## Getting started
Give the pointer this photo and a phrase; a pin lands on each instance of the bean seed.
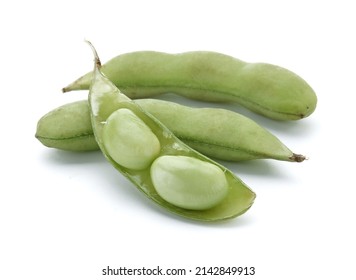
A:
(129, 141)
(188, 182)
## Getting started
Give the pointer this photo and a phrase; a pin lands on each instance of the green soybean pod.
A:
(217, 133)
(266, 89)
(228, 198)
(67, 127)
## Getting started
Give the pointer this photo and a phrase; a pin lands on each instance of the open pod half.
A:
(132, 140)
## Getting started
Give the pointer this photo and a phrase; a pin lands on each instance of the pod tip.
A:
(297, 158)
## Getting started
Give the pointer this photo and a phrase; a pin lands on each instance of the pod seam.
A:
(245, 100)
(67, 138)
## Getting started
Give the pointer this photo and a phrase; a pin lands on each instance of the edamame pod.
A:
(67, 127)
(266, 89)
(234, 197)
(217, 133)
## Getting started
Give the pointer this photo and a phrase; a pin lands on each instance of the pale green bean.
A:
(129, 140)
(188, 182)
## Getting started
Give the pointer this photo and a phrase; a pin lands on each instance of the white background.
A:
(68, 216)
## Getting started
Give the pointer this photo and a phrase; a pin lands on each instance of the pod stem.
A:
(96, 56)
(297, 158)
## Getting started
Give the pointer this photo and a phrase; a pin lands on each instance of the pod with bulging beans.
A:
(168, 171)
(266, 89)
(217, 133)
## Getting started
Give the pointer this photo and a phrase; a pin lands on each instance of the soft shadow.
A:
(260, 167)
(240, 221)
(67, 157)
(297, 128)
